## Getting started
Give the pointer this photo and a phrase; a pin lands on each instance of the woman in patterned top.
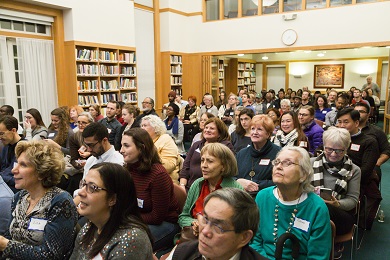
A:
(115, 229)
(43, 216)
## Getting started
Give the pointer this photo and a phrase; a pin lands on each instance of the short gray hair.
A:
(209, 97)
(336, 135)
(156, 123)
(87, 115)
(286, 102)
(246, 214)
(305, 166)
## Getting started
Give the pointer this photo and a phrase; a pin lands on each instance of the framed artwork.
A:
(329, 76)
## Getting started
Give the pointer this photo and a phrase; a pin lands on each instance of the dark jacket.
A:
(314, 135)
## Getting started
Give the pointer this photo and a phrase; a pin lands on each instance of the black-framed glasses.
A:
(82, 123)
(331, 150)
(146, 103)
(362, 111)
(285, 163)
(91, 145)
(91, 187)
(214, 227)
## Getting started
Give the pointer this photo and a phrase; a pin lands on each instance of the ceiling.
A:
(356, 53)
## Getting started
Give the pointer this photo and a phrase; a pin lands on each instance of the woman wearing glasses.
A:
(43, 217)
(34, 128)
(333, 169)
(218, 166)
(292, 207)
(115, 229)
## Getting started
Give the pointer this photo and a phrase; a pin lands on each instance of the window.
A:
(26, 27)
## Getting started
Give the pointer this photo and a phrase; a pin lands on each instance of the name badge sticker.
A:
(301, 224)
(324, 112)
(303, 144)
(264, 162)
(232, 113)
(109, 130)
(51, 135)
(140, 203)
(37, 224)
(355, 147)
(197, 150)
(209, 110)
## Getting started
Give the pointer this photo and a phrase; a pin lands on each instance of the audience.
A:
(6, 196)
(206, 116)
(331, 117)
(226, 111)
(311, 129)
(174, 126)
(34, 128)
(43, 217)
(129, 113)
(321, 108)
(113, 126)
(115, 229)
(94, 110)
(208, 106)
(59, 130)
(147, 109)
(241, 136)
(74, 112)
(154, 188)
(189, 116)
(292, 207)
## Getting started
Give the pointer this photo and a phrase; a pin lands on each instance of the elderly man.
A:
(373, 86)
(227, 224)
(147, 109)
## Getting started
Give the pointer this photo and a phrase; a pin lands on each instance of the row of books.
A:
(87, 70)
(109, 84)
(175, 59)
(176, 69)
(177, 90)
(128, 57)
(128, 71)
(105, 98)
(87, 85)
(220, 66)
(87, 55)
(108, 56)
(87, 100)
(129, 97)
(176, 80)
(109, 70)
(128, 83)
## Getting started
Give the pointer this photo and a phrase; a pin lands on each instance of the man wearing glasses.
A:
(147, 109)
(363, 152)
(227, 224)
(9, 138)
(95, 137)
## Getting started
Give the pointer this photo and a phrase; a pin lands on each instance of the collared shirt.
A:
(111, 156)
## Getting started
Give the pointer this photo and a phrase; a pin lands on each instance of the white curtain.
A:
(37, 62)
(6, 74)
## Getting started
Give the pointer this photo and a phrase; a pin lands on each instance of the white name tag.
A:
(324, 112)
(51, 135)
(231, 113)
(197, 150)
(301, 224)
(37, 224)
(355, 147)
(303, 144)
(98, 257)
(109, 130)
(209, 110)
(264, 162)
(140, 203)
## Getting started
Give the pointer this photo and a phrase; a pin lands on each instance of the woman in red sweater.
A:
(157, 202)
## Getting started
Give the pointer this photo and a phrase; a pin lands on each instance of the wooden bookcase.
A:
(217, 77)
(386, 117)
(241, 75)
(176, 62)
(101, 73)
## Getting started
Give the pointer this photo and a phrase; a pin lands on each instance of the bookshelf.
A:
(176, 73)
(217, 77)
(241, 75)
(386, 117)
(103, 73)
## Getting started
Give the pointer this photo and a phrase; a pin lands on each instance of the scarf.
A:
(174, 125)
(281, 139)
(343, 173)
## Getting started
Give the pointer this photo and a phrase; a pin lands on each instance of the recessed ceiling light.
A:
(265, 57)
(240, 55)
(320, 55)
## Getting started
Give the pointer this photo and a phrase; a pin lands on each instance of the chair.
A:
(180, 195)
(319, 122)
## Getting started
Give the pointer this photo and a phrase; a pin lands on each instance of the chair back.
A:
(180, 195)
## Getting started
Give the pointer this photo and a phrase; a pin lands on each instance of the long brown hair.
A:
(63, 128)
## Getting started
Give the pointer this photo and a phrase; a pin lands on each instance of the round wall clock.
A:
(289, 37)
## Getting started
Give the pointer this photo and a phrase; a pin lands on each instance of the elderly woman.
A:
(285, 106)
(333, 169)
(215, 131)
(290, 132)
(206, 116)
(175, 128)
(208, 106)
(311, 129)
(154, 188)
(226, 111)
(94, 110)
(166, 147)
(43, 216)
(254, 161)
(189, 116)
(115, 228)
(218, 167)
(34, 128)
(241, 136)
(292, 207)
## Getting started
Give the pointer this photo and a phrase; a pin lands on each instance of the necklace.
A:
(252, 173)
(292, 219)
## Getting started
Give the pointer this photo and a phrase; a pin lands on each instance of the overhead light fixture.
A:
(307, 51)
(364, 75)
(289, 17)
(297, 76)
(321, 54)
(240, 55)
(265, 57)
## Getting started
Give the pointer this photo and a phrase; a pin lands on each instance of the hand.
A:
(195, 227)
(26, 124)
(248, 185)
(51, 142)
(3, 243)
(84, 154)
(334, 202)
(186, 122)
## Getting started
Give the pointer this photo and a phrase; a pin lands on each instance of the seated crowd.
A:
(115, 187)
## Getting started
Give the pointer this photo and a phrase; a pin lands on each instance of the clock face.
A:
(289, 37)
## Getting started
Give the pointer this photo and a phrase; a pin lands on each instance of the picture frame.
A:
(329, 76)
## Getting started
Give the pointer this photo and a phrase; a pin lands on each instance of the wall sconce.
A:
(364, 75)
(289, 17)
(297, 76)
(265, 57)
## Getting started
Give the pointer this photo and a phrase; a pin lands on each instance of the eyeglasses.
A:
(331, 150)
(146, 103)
(91, 188)
(82, 123)
(91, 145)
(284, 163)
(214, 227)
(362, 111)
(301, 114)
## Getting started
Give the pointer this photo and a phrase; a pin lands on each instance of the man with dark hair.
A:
(147, 109)
(113, 126)
(332, 97)
(281, 95)
(296, 104)
(9, 110)
(229, 220)
(306, 98)
(376, 133)
(363, 152)
(95, 137)
(9, 137)
(331, 116)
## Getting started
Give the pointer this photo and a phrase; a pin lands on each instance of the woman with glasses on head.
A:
(115, 229)
(43, 217)
(206, 116)
(292, 207)
(74, 112)
(333, 169)
(34, 128)
(241, 136)
(218, 166)
(154, 188)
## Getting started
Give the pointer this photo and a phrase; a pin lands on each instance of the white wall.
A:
(353, 69)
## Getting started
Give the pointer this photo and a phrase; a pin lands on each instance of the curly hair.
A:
(63, 128)
(156, 123)
(47, 160)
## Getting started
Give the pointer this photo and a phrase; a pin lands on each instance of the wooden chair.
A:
(180, 194)
(319, 122)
